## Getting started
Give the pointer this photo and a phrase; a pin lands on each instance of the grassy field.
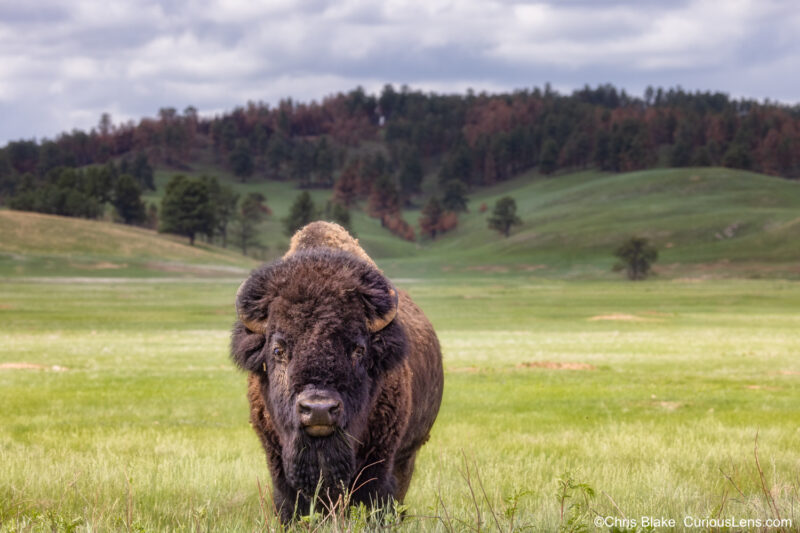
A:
(33, 244)
(569, 393)
(710, 222)
(649, 396)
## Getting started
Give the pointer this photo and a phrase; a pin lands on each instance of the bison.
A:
(345, 373)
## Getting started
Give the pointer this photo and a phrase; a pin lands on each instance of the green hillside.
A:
(704, 221)
(36, 244)
(280, 195)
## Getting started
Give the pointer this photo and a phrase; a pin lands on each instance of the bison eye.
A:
(279, 351)
(358, 353)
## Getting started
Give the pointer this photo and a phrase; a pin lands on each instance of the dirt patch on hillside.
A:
(489, 269)
(790, 373)
(32, 366)
(762, 387)
(669, 406)
(619, 316)
(102, 265)
(464, 369)
(531, 268)
(552, 365)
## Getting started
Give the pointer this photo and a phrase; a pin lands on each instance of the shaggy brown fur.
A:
(308, 331)
(326, 235)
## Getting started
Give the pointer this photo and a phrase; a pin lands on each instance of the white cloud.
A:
(65, 62)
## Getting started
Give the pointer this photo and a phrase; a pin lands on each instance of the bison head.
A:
(317, 329)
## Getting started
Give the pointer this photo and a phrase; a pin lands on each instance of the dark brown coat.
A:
(345, 373)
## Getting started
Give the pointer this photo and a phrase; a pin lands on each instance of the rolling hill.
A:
(700, 219)
(33, 244)
(704, 221)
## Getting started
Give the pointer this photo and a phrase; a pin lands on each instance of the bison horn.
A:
(252, 325)
(381, 322)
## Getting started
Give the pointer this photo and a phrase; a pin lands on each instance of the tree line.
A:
(375, 150)
(479, 138)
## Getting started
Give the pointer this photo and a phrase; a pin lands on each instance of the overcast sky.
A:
(63, 63)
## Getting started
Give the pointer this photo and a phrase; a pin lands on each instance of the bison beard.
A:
(329, 463)
(345, 373)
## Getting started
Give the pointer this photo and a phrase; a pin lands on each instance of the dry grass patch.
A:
(623, 317)
(32, 366)
(552, 365)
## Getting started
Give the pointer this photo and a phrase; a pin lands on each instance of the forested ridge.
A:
(379, 147)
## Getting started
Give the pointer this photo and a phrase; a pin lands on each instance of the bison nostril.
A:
(315, 409)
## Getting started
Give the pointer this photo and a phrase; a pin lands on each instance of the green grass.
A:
(705, 222)
(147, 428)
(280, 196)
(32, 244)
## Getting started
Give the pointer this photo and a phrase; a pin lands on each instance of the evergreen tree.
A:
(278, 152)
(383, 199)
(636, 258)
(64, 191)
(737, 156)
(336, 212)
(602, 150)
(186, 208)
(142, 171)
(251, 213)
(455, 196)
(224, 200)
(431, 218)
(301, 213)
(548, 162)
(323, 161)
(504, 215)
(303, 163)
(411, 174)
(346, 189)
(240, 160)
(99, 182)
(127, 200)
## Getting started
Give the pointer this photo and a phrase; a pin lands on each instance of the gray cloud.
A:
(64, 63)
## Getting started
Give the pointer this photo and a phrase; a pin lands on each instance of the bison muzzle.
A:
(345, 373)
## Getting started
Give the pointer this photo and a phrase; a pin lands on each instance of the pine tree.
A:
(336, 212)
(142, 171)
(637, 256)
(411, 174)
(504, 216)
(384, 199)
(224, 200)
(346, 189)
(455, 196)
(127, 200)
(323, 161)
(250, 214)
(240, 160)
(549, 160)
(301, 213)
(186, 208)
(431, 217)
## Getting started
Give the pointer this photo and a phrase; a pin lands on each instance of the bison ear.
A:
(388, 344)
(247, 348)
(380, 300)
(248, 336)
